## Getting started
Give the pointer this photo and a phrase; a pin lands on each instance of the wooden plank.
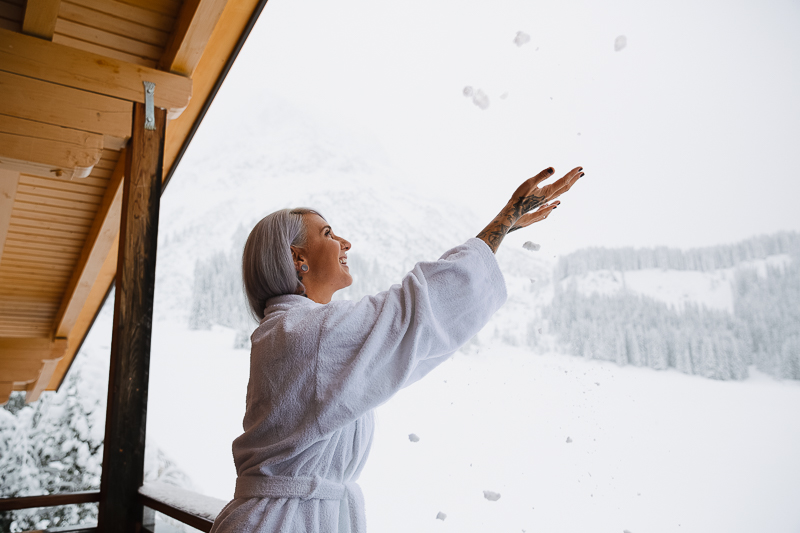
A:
(40, 18)
(49, 500)
(63, 106)
(102, 173)
(103, 51)
(51, 222)
(119, 26)
(36, 169)
(10, 25)
(22, 232)
(60, 185)
(192, 31)
(44, 200)
(106, 164)
(33, 209)
(34, 281)
(108, 40)
(45, 144)
(65, 65)
(30, 274)
(11, 11)
(126, 418)
(98, 243)
(42, 255)
(132, 13)
(33, 244)
(28, 312)
(36, 190)
(8, 191)
(165, 7)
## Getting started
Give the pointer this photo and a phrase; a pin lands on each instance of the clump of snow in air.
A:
(532, 246)
(503, 96)
(413, 437)
(619, 43)
(625, 531)
(467, 91)
(441, 516)
(491, 496)
(480, 99)
(569, 439)
(522, 38)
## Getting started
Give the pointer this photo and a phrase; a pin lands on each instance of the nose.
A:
(345, 244)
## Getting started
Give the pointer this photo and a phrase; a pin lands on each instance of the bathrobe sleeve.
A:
(368, 350)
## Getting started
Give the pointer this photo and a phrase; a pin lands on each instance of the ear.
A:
(298, 256)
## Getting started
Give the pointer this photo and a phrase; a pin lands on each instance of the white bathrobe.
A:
(317, 372)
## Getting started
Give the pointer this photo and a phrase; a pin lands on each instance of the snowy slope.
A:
(711, 289)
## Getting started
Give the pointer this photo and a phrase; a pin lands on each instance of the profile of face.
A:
(325, 256)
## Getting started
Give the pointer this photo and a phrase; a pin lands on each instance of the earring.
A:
(304, 268)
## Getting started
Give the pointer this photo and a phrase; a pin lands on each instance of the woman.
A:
(318, 368)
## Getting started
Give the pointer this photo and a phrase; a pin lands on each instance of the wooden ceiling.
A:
(70, 71)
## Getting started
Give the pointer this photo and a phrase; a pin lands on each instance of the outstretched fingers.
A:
(537, 216)
(554, 190)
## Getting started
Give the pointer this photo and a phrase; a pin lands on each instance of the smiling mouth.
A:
(343, 261)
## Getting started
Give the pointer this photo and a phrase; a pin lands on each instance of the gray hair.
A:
(267, 265)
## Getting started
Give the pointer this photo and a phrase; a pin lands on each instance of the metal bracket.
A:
(149, 111)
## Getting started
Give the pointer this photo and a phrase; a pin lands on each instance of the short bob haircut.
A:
(267, 266)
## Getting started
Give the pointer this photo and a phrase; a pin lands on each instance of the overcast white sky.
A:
(688, 135)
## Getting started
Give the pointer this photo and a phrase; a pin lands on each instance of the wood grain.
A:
(40, 18)
(123, 453)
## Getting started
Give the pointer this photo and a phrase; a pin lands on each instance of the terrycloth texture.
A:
(316, 373)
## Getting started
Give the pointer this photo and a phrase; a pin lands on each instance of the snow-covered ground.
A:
(650, 451)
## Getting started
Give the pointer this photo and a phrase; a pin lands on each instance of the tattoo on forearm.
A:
(504, 223)
(493, 233)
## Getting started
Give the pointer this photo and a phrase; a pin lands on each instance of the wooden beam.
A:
(65, 65)
(35, 389)
(40, 18)
(6, 388)
(126, 413)
(48, 500)
(101, 237)
(8, 191)
(193, 29)
(24, 348)
(62, 149)
(28, 362)
(63, 106)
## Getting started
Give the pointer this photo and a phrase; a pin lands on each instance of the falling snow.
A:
(532, 246)
(467, 91)
(491, 496)
(522, 38)
(569, 440)
(413, 437)
(441, 516)
(620, 43)
(480, 99)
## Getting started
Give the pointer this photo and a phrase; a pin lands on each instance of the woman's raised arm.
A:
(528, 196)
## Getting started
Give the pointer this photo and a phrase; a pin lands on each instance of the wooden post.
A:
(123, 455)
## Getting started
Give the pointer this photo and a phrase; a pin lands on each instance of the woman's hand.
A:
(528, 196)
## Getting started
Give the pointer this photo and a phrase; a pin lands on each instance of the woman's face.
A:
(326, 258)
